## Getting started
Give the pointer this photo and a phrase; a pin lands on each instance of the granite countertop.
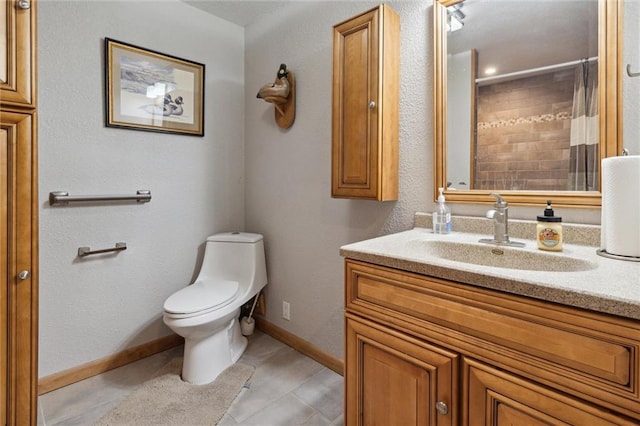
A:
(599, 284)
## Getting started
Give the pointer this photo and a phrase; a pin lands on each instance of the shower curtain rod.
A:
(533, 71)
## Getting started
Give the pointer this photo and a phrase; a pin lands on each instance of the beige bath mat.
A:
(167, 400)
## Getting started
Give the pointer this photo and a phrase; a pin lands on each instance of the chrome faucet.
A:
(500, 216)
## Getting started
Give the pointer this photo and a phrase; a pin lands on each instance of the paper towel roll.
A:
(620, 225)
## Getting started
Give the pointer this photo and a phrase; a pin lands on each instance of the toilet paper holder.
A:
(619, 198)
(603, 253)
(86, 251)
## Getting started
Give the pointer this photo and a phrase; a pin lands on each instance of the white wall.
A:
(288, 172)
(460, 92)
(631, 86)
(97, 306)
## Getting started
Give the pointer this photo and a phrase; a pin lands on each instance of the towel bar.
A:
(63, 198)
(86, 251)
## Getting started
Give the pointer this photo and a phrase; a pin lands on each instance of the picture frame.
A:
(151, 91)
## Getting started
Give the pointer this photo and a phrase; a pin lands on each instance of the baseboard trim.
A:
(93, 368)
(301, 345)
(99, 366)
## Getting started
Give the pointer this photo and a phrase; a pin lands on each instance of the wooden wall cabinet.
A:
(17, 53)
(425, 351)
(366, 72)
(18, 214)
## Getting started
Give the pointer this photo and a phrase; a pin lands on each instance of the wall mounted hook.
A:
(282, 94)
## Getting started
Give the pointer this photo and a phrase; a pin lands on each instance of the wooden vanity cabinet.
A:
(486, 357)
(396, 379)
(493, 397)
(366, 72)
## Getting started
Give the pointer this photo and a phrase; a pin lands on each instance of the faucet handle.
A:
(500, 202)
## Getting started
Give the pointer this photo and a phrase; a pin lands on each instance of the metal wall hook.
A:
(632, 74)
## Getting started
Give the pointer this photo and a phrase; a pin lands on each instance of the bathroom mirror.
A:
(491, 132)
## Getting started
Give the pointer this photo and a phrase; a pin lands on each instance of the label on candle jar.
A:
(549, 237)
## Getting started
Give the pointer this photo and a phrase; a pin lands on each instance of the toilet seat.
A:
(200, 298)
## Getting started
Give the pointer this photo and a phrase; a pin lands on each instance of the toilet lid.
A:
(200, 297)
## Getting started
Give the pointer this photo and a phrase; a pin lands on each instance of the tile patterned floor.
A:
(286, 389)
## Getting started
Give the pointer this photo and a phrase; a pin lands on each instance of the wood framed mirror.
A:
(521, 187)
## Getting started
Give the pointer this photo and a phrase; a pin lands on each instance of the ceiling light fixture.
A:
(455, 17)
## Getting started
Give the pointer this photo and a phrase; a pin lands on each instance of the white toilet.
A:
(206, 312)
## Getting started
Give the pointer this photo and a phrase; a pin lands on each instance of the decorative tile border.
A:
(542, 118)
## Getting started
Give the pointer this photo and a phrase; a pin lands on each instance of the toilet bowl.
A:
(206, 313)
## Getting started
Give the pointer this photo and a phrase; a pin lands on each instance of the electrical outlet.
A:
(286, 312)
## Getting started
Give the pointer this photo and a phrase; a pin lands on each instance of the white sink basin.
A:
(504, 257)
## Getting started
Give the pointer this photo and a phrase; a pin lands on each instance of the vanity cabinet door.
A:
(365, 106)
(494, 397)
(393, 379)
(17, 53)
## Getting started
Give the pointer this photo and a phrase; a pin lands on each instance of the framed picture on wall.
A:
(148, 90)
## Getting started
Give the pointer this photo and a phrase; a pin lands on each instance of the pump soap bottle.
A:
(549, 230)
(442, 216)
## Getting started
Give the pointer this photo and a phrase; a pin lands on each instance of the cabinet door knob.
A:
(24, 4)
(442, 408)
(23, 275)
(372, 105)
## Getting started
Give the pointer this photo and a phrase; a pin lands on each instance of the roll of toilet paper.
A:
(620, 225)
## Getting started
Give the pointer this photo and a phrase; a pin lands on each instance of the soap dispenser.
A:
(442, 216)
(549, 230)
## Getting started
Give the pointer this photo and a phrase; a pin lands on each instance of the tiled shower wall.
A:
(523, 133)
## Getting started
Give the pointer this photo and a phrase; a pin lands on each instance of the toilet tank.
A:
(235, 256)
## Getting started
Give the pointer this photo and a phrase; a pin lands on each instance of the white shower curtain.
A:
(584, 158)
